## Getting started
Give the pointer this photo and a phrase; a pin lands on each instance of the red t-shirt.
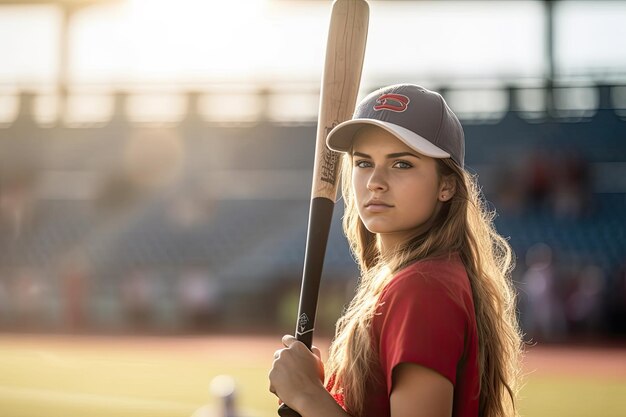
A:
(426, 316)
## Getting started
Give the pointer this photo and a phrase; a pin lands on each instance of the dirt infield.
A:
(543, 360)
(609, 362)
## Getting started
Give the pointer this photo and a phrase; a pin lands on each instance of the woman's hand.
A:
(297, 373)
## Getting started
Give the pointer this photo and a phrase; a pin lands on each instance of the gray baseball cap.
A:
(418, 117)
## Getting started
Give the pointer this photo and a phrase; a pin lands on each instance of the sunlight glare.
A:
(227, 31)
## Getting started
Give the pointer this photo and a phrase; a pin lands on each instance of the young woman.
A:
(432, 329)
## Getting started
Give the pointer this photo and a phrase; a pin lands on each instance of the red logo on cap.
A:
(393, 102)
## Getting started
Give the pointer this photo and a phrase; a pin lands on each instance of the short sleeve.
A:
(419, 321)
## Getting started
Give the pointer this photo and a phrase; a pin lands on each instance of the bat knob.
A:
(284, 411)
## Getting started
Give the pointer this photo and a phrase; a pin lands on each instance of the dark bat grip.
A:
(284, 411)
(320, 216)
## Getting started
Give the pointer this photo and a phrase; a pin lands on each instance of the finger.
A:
(318, 354)
(316, 351)
(277, 353)
(289, 340)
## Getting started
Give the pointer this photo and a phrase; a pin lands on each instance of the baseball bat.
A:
(345, 50)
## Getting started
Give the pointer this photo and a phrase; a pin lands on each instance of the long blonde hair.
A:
(463, 225)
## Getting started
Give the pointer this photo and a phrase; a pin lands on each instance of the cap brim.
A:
(341, 137)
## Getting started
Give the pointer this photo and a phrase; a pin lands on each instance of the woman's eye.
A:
(362, 164)
(402, 165)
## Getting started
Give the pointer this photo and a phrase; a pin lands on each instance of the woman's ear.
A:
(447, 188)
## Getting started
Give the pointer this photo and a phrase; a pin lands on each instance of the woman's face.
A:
(397, 189)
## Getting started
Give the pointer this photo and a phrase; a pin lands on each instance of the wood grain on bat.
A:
(345, 50)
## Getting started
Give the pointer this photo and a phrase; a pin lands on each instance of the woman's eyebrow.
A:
(400, 154)
(390, 156)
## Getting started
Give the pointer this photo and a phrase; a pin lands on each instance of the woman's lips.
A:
(377, 206)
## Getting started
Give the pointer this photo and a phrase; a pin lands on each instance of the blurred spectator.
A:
(509, 191)
(585, 304)
(198, 298)
(542, 317)
(539, 178)
(28, 298)
(17, 197)
(558, 181)
(5, 307)
(571, 189)
(617, 301)
(75, 289)
(139, 298)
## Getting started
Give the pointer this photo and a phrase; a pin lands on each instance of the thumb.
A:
(320, 364)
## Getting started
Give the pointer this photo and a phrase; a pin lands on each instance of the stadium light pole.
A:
(549, 48)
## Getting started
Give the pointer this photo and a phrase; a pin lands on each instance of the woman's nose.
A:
(377, 181)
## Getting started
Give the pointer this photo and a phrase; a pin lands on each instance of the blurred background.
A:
(156, 159)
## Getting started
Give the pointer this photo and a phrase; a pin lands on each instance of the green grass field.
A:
(58, 376)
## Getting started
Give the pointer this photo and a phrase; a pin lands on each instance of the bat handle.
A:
(284, 411)
(317, 236)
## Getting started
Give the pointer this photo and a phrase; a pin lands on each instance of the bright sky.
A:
(188, 41)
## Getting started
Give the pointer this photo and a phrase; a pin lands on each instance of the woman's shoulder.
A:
(430, 276)
(448, 267)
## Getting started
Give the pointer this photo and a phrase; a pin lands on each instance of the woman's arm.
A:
(420, 392)
(297, 374)
(297, 377)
